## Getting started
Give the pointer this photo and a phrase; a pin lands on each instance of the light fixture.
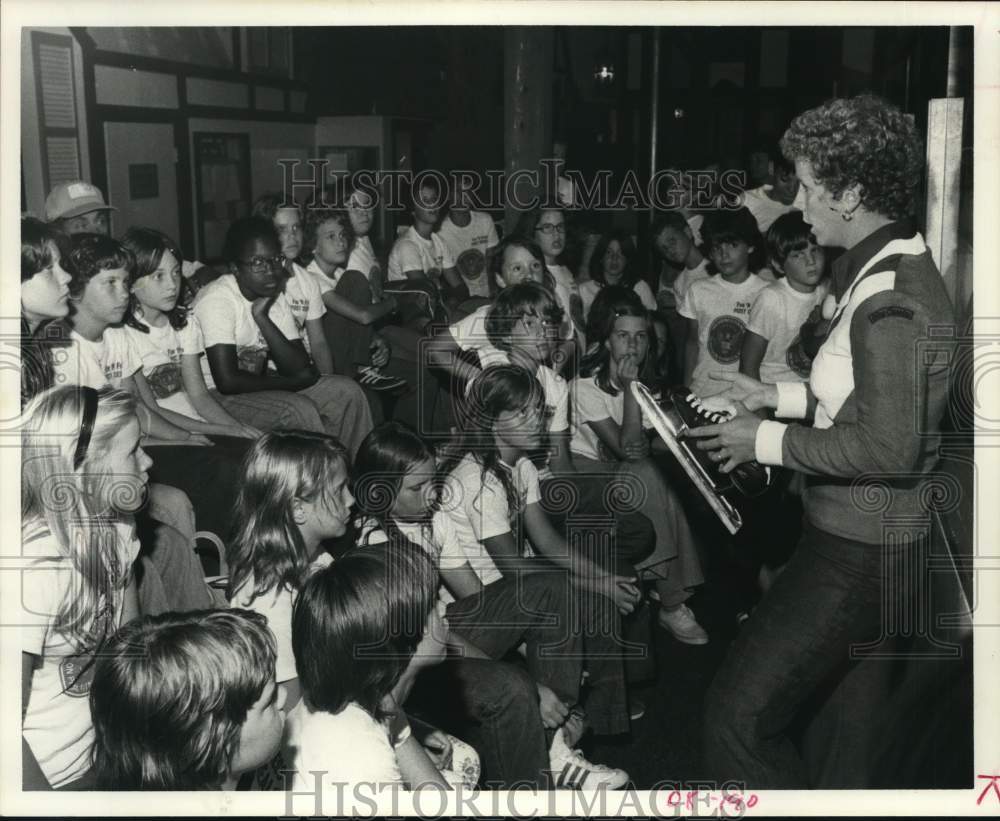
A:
(604, 71)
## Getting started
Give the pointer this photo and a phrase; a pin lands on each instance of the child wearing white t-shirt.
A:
(772, 347)
(77, 586)
(470, 237)
(495, 502)
(255, 359)
(349, 725)
(609, 438)
(398, 499)
(300, 291)
(294, 477)
(717, 308)
(167, 340)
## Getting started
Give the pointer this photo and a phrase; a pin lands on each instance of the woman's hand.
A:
(753, 393)
(249, 432)
(732, 443)
(437, 745)
(551, 707)
(636, 451)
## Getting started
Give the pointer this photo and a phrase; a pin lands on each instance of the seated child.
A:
(101, 354)
(83, 477)
(609, 437)
(44, 297)
(471, 237)
(772, 350)
(256, 363)
(349, 323)
(185, 702)
(547, 228)
(615, 262)
(362, 628)
(167, 340)
(293, 494)
(397, 493)
(684, 262)
(420, 259)
(81, 458)
(300, 291)
(516, 260)
(717, 308)
(768, 202)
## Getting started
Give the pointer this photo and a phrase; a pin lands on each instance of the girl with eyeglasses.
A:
(83, 475)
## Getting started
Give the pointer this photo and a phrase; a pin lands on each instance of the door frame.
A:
(127, 114)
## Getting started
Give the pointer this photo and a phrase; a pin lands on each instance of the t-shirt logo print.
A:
(797, 359)
(471, 263)
(725, 339)
(165, 380)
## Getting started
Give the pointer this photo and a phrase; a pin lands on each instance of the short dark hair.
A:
(170, 695)
(148, 247)
(93, 253)
(357, 623)
(267, 205)
(315, 217)
(245, 231)
(863, 140)
(36, 254)
(669, 219)
(515, 301)
(629, 276)
(789, 232)
(734, 225)
(513, 241)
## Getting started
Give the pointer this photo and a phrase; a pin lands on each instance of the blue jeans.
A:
(796, 644)
(494, 707)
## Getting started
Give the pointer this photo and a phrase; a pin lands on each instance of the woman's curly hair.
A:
(864, 140)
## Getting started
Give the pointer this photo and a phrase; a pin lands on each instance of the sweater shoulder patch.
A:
(890, 311)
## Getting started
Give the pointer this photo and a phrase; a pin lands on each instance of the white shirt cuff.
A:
(793, 400)
(767, 445)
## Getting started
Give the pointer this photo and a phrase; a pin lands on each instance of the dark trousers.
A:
(577, 505)
(210, 476)
(796, 645)
(494, 707)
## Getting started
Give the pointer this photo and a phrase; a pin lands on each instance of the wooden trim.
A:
(185, 215)
(222, 113)
(162, 64)
(237, 50)
(38, 39)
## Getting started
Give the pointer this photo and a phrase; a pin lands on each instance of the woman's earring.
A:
(847, 216)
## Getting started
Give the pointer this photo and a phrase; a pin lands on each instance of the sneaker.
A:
(636, 709)
(374, 380)
(681, 622)
(571, 771)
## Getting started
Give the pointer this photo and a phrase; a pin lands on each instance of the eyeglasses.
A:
(259, 265)
(551, 228)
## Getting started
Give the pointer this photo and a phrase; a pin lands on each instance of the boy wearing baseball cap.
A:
(78, 207)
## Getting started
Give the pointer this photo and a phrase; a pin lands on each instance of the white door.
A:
(142, 177)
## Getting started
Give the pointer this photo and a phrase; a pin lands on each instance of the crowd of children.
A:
(408, 598)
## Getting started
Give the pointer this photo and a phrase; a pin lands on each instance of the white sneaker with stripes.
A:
(571, 771)
(373, 379)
